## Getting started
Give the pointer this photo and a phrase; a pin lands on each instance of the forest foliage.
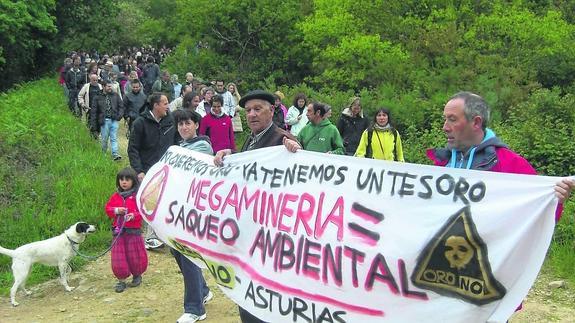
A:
(407, 55)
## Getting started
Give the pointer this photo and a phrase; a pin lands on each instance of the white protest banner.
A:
(308, 237)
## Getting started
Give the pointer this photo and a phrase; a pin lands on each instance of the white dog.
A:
(56, 251)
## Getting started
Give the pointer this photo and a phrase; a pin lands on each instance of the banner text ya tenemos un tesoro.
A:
(310, 237)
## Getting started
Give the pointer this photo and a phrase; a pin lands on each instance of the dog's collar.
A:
(72, 241)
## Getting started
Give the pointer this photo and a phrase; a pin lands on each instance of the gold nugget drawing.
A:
(152, 194)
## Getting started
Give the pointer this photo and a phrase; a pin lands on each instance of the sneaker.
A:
(136, 281)
(153, 243)
(208, 297)
(117, 157)
(191, 318)
(120, 286)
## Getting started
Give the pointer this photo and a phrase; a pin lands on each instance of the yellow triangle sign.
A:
(454, 263)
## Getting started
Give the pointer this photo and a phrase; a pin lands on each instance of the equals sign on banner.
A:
(367, 236)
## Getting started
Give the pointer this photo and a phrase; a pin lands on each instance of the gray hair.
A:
(473, 106)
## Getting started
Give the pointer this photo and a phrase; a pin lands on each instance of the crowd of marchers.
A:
(205, 116)
(104, 89)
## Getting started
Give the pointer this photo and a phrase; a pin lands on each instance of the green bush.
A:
(541, 129)
(562, 251)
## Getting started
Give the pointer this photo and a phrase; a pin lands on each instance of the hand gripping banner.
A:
(309, 237)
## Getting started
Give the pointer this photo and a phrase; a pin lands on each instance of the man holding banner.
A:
(259, 107)
(471, 145)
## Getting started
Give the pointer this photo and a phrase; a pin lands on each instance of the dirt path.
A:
(159, 298)
(546, 304)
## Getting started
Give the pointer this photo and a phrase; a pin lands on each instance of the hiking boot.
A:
(120, 286)
(208, 297)
(191, 318)
(136, 281)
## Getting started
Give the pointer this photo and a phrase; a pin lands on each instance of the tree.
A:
(346, 52)
(247, 40)
(26, 29)
(88, 25)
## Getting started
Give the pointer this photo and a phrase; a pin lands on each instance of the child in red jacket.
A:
(129, 255)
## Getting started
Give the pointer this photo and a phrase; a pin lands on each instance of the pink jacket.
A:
(220, 130)
(505, 160)
(115, 201)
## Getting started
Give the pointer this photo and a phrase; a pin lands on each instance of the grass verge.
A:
(53, 174)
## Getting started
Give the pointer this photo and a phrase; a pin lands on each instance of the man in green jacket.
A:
(319, 134)
(164, 85)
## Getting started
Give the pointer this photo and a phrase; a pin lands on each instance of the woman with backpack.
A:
(381, 140)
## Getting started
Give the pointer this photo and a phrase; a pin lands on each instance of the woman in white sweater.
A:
(296, 117)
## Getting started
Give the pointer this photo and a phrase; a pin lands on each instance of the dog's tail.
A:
(7, 252)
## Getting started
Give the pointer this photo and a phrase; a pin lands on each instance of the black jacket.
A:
(279, 118)
(273, 137)
(75, 79)
(151, 72)
(98, 112)
(351, 128)
(134, 104)
(149, 140)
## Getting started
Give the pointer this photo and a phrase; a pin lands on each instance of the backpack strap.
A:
(368, 149)
(394, 143)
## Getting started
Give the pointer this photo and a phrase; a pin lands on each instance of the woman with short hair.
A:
(381, 140)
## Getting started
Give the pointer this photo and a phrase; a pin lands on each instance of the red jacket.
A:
(115, 201)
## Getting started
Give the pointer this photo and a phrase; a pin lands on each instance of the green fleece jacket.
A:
(322, 138)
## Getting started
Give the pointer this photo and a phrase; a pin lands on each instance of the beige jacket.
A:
(84, 96)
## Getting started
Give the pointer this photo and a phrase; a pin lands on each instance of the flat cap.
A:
(257, 94)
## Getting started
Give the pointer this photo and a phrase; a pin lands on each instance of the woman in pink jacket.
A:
(218, 126)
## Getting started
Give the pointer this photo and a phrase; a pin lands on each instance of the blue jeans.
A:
(110, 130)
(195, 287)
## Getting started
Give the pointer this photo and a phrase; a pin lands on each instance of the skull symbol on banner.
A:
(458, 252)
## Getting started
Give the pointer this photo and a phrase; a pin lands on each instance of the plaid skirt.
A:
(129, 256)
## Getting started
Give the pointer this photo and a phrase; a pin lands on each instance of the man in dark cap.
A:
(259, 108)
